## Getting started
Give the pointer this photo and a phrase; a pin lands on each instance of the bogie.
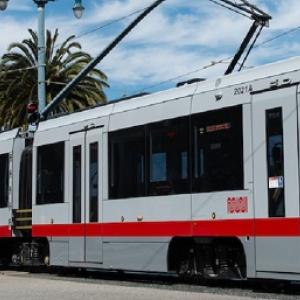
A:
(207, 258)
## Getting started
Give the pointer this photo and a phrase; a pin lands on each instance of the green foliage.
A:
(63, 63)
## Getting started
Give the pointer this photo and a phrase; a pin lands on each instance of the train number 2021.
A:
(246, 89)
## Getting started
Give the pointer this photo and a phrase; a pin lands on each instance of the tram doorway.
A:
(85, 182)
(25, 184)
(276, 181)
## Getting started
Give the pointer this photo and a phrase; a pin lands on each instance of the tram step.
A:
(22, 219)
(29, 227)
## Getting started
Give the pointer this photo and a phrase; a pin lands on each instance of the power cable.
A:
(203, 68)
(229, 8)
(85, 33)
(215, 63)
(212, 64)
(277, 37)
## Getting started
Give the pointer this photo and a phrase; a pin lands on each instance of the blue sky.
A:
(179, 37)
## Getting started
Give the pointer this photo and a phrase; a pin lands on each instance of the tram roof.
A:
(114, 107)
(9, 135)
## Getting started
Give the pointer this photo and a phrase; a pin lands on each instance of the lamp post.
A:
(78, 9)
(78, 12)
(3, 4)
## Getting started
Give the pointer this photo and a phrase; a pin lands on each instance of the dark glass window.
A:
(127, 163)
(94, 189)
(25, 180)
(4, 182)
(168, 157)
(275, 160)
(218, 150)
(50, 173)
(77, 184)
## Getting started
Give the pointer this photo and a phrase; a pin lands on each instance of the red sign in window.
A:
(237, 205)
(218, 127)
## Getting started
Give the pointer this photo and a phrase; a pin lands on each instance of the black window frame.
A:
(25, 179)
(191, 141)
(211, 123)
(77, 183)
(115, 164)
(56, 157)
(4, 184)
(172, 136)
(93, 182)
(276, 209)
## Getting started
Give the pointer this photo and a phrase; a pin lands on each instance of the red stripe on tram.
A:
(245, 227)
(5, 231)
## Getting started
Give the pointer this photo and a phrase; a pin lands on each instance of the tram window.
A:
(77, 184)
(218, 150)
(25, 179)
(94, 189)
(127, 163)
(275, 161)
(4, 182)
(50, 173)
(168, 157)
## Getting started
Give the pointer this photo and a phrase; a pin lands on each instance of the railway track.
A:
(250, 289)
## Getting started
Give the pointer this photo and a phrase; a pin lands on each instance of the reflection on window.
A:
(156, 159)
(218, 150)
(127, 163)
(184, 165)
(50, 173)
(4, 182)
(94, 190)
(169, 144)
(275, 157)
(158, 167)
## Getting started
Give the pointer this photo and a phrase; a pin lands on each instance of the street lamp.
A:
(78, 12)
(3, 4)
(78, 9)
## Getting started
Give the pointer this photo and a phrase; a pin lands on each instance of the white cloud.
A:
(176, 38)
(13, 30)
(20, 5)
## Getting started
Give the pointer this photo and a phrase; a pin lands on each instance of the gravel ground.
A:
(23, 286)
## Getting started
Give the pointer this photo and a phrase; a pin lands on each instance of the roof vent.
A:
(190, 81)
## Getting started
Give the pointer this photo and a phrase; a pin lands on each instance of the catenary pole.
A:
(41, 55)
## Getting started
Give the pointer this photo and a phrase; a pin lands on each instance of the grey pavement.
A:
(22, 287)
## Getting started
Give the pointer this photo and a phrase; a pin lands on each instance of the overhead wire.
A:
(207, 66)
(107, 24)
(229, 8)
(212, 64)
(277, 37)
(169, 80)
(80, 35)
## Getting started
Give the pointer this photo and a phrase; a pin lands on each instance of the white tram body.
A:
(205, 174)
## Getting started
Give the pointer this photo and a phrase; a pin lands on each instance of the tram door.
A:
(276, 181)
(85, 182)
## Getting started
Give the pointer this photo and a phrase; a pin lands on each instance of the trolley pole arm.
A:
(67, 89)
(242, 48)
(261, 19)
(250, 9)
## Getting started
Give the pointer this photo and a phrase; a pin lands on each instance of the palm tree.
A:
(18, 78)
